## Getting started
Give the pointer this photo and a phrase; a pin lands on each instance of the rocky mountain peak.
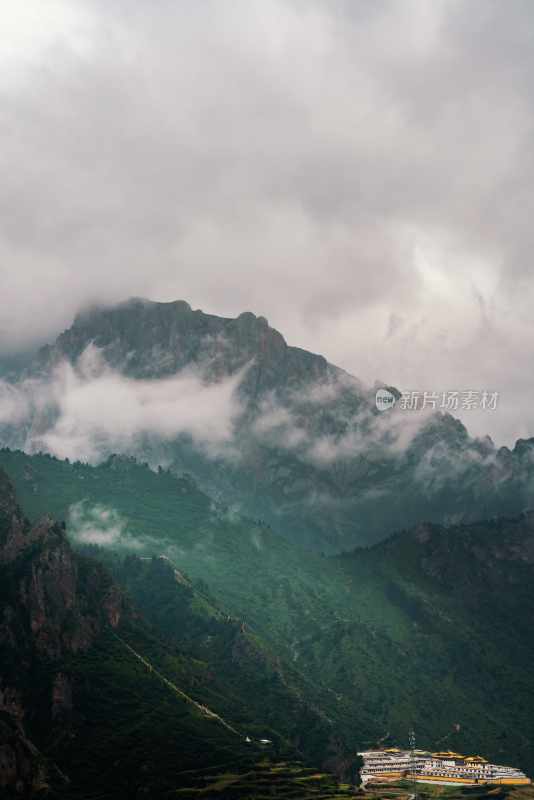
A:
(147, 339)
(316, 458)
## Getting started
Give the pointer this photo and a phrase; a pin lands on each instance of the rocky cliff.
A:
(52, 605)
(144, 339)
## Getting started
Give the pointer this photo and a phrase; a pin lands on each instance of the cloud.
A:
(14, 404)
(89, 410)
(361, 173)
(377, 435)
(277, 425)
(101, 525)
(353, 425)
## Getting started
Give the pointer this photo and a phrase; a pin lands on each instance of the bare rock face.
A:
(113, 604)
(22, 768)
(54, 603)
(16, 534)
(60, 607)
(11, 702)
(62, 698)
(13, 528)
(147, 339)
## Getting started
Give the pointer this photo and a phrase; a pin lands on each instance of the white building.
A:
(445, 767)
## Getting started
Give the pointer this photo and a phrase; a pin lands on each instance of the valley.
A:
(271, 611)
(266, 400)
(330, 652)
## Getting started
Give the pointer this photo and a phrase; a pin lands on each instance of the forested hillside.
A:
(374, 641)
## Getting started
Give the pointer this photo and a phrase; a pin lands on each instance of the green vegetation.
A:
(121, 713)
(137, 736)
(265, 780)
(430, 628)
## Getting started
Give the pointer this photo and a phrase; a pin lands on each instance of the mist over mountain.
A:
(266, 407)
(276, 430)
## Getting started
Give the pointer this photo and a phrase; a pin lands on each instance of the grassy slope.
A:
(137, 728)
(134, 737)
(378, 644)
(136, 733)
(140, 740)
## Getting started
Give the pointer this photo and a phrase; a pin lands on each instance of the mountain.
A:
(430, 627)
(49, 611)
(98, 701)
(289, 438)
(145, 339)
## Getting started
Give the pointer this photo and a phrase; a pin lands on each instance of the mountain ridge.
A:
(305, 446)
(174, 323)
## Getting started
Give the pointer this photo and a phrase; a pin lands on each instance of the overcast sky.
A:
(361, 173)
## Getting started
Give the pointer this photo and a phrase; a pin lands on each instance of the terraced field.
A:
(264, 781)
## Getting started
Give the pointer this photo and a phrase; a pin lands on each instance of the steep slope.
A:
(241, 675)
(309, 452)
(94, 704)
(428, 628)
(49, 611)
(459, 605)
(158, 513)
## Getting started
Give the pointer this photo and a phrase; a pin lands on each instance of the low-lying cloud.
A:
(100, 525)
(88, 410)
(291, 427)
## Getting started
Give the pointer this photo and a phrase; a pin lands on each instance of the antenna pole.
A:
(412, 759)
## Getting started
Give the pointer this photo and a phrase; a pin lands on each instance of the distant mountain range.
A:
(290, 438)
